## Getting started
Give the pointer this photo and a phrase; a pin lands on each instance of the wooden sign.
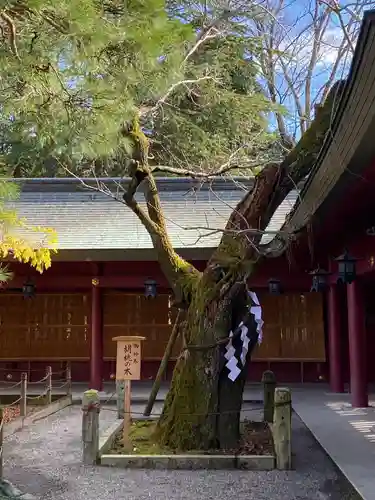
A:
(128, 367)
(128, 360)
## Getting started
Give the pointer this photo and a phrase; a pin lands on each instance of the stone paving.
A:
(45, 460)
(347, 434)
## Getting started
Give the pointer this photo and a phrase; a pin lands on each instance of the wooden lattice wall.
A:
(44, 327)
(57, 326)
(293, 328)
(133, 314)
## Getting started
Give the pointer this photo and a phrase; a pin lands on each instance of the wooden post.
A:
(163, 365)
(282, 428)
(68, 380)
(269, 385)
(127, 414)
(1, 441)
(128, 368)
(90, 426)
(96, 354)
(357, 345)
(23, 400)
(335, 341)
(48, 385)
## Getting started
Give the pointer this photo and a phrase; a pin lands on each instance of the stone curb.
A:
(21, 422)
(107, 438)
(190, 462)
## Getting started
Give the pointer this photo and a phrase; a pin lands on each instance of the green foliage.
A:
(83, 67)
(76, 71)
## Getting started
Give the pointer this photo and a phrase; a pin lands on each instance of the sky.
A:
(295, 36)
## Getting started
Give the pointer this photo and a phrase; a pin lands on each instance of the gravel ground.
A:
(45, 460)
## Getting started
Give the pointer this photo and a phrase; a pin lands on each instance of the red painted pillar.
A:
(336, 379)
(96, 354)
(357, 345)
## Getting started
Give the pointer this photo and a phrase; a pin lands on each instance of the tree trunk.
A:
(202, 409)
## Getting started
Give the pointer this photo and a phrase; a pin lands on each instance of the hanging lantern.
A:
(28, 289)
(150, 289)
(319, 279)
(347, 271)
(274, 286)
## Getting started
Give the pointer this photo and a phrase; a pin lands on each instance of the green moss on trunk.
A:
(191, 414)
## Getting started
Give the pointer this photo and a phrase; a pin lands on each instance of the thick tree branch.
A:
(181, 275)
(272, 185)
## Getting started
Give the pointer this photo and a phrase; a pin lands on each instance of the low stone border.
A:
(175, 462)
(190, 462)
(108, 437)
(21, 422)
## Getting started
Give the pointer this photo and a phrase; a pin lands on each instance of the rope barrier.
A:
(47, 379)
(61, 386)
(37, 397)
(229, 412)
(39, 381)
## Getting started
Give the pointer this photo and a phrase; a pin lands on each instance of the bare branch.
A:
(334, 7)
(152, 110)
(222, 170)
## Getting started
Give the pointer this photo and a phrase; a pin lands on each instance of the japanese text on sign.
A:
(128, 360)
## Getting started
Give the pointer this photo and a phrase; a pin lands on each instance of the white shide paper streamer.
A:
(232, 363)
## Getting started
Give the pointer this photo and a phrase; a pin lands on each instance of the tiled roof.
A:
(88, 220)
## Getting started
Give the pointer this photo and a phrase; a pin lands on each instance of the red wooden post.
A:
(96, 355)
(357, 346)
(336, 379)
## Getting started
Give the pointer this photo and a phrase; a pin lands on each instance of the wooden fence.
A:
(26, 400)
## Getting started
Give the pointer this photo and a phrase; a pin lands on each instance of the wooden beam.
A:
(73, 282)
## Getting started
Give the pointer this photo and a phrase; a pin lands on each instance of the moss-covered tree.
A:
(126, 86)
(203, 405)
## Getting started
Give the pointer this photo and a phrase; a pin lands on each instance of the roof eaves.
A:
(368, 24)
(68, 184)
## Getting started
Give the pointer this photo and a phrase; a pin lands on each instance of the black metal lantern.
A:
(150, 289)
(28, 289)
(347, 271)
(274, 286)
(319, 279)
